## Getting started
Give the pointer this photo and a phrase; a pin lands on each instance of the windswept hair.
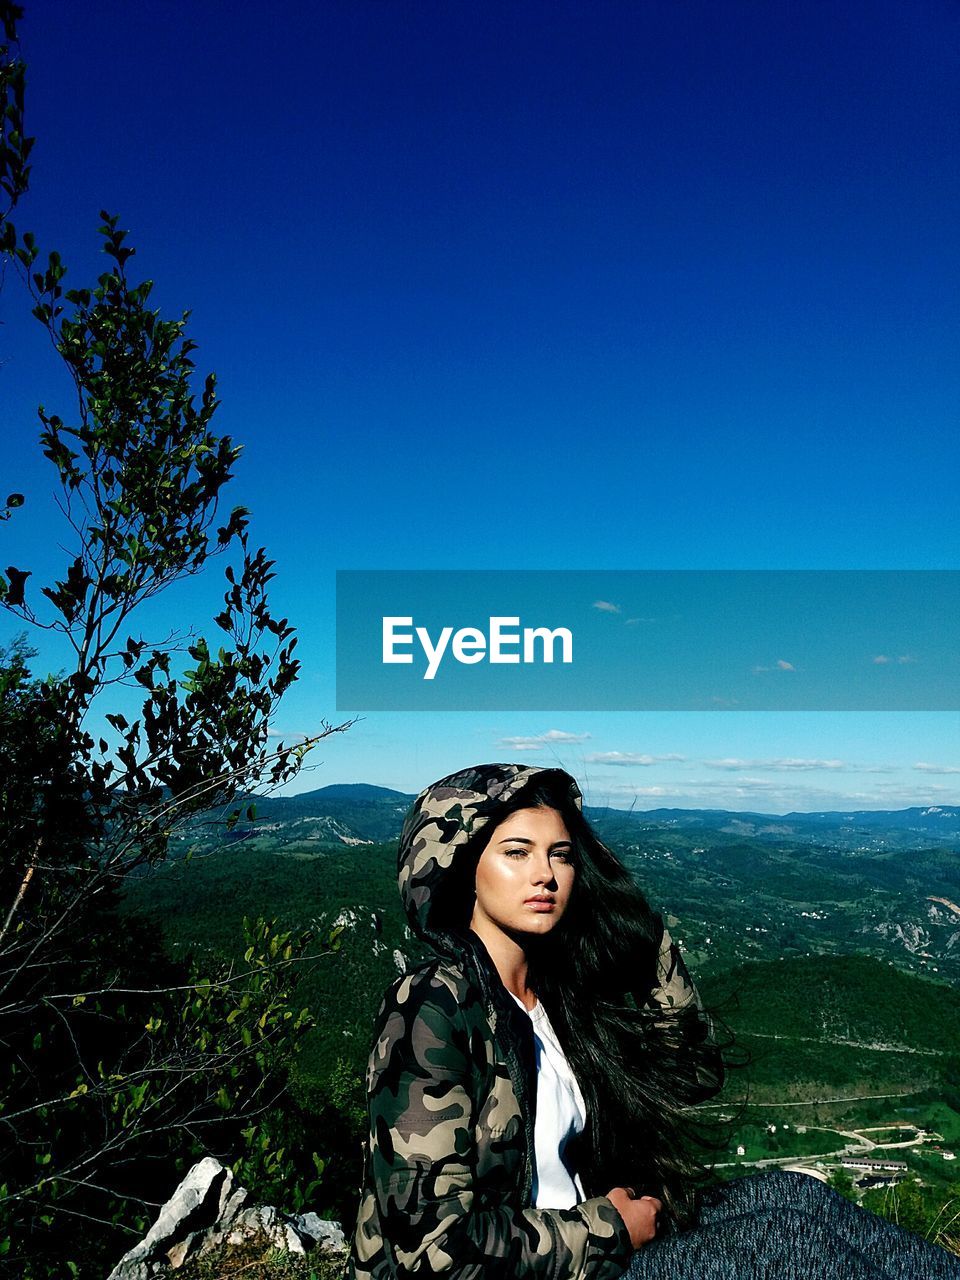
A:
(640, 1067)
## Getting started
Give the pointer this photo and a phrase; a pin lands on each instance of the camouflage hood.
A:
(444, 819)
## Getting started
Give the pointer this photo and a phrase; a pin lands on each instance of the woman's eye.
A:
(564, 855)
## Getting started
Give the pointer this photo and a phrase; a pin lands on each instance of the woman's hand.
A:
(639, 1213)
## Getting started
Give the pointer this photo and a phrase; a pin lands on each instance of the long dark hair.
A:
(640, 1067)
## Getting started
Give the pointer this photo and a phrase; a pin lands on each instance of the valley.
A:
(829, 948)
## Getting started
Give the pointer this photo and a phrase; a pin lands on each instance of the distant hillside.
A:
(822, 1026)
(356, 812)
(745, 895)
(345, 813)
(739, 886)
(364, 791)
(866, 829)
(855, 1000)
(815, 1025)
(199, 906)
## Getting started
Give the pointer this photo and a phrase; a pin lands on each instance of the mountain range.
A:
(359, 812)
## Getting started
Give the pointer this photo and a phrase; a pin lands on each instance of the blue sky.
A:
(539, 286)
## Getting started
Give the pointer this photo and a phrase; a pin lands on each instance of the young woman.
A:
(529, 1085)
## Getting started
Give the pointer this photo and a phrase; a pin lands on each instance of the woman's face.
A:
(525, 874)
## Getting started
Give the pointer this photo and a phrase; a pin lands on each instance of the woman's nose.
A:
(542, 871)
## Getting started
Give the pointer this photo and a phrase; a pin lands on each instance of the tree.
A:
(141, 474)
(15, 147)
(113, 1060)
(842, 1182)
(928, 1211)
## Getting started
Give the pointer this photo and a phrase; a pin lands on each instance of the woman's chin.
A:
(537, 923)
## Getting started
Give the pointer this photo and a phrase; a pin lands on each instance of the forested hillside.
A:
(796, 945)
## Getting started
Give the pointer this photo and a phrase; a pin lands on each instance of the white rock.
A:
(323, 1232)
(207, 1211)
(194, 1205)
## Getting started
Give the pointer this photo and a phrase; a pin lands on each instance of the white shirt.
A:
(560, 1114)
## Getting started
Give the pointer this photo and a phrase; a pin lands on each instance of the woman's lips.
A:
(540, 904)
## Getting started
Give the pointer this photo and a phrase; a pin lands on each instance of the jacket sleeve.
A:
(683, 1017)
(433, 1219)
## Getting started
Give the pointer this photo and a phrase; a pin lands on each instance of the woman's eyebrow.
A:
(526, 840)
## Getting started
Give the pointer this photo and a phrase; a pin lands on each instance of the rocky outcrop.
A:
(209, 1211)
(913, 937)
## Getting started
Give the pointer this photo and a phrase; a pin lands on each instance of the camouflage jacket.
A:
(451, 1086)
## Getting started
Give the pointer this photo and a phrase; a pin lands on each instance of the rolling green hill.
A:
(814, 1024)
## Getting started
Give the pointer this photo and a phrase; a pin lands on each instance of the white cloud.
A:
(776, 795)
(537, 742)
(606, 607)
(629, 758)
(732, 764)
(790, 763)
(625, 789)
(923, 767)
(781, 665)
(881, 660)
(905, 658)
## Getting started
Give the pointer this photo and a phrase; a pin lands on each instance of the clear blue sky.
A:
(634, 285)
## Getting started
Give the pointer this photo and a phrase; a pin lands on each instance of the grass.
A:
(258, 1259)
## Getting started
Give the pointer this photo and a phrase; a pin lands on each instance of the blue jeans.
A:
(789, 1226)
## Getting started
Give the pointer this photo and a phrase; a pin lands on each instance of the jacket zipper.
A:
(504, 1036)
